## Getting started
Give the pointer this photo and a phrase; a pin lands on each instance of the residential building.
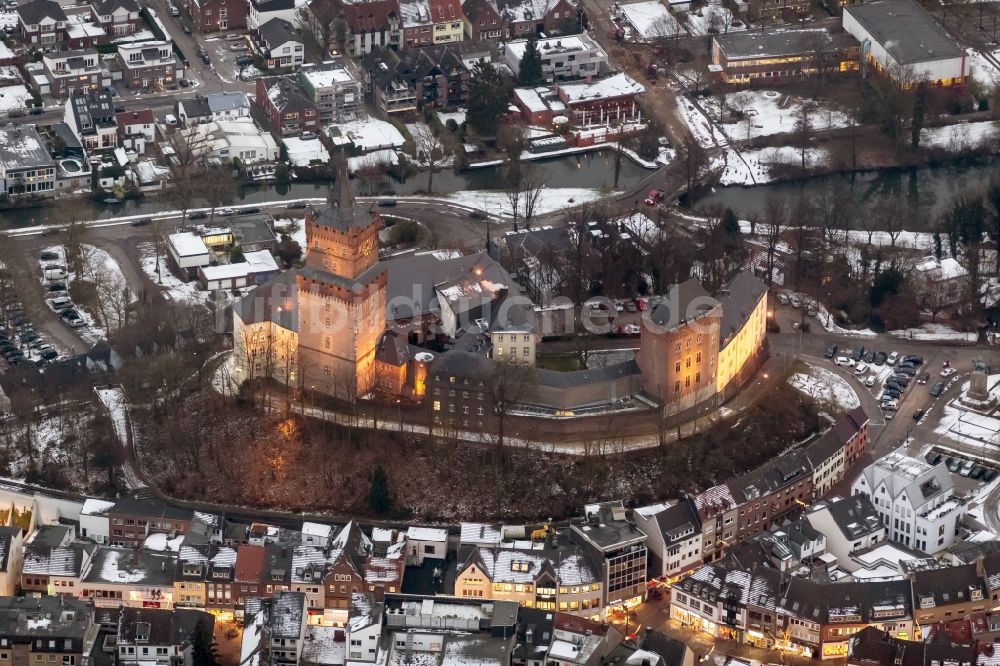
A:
(607, 102)
(149, 65)
(619, 548)
(873, 647)
(906, 43)
(569, 57)
(118, 18)
(276, 626)
(434, 76)
(286, 105)
(385, 566)
(47, 629)
(215, 15)
(232, 139)
(279, 45)
(11, 559)
(256, 267)
(136, 130)
(128, 577)
(950, 593)
(190, 578)
(364, 629)
(26, 167)
(94, 520)
(220, 572)
(334, 89)
(837, 450)
(940, 283)
(52, 563)
(749, 56)
(914, 499)
(91, 116)
(513, 337)
(132, 520)
(426, 22)
(368, 23)
(262, 11)
(550, 575)
(41, 22)
(673, 534)
(510, 19)
(213, 106)
(426, 542)
(83, 30)
(156, 636)
(483, 20)
(850, 524)
(66, 72)
(771, 491)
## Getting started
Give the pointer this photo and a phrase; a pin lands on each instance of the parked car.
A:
(226, 212)
(977, 472)
(861, 368)
(477, 214)
(880, 358)
(794, 300)
(238, 46)
(903, 370)
(243, 60)
(948, 372)
(308, 136)
(869, 356)
(870, 381)
(233, 37)
(966, 468)
(892, 358)
(989, 474)
(916, 360)
(654, 197)
(248, 211)
(386, 203)
(843, 360)
(937, 389)
(205, 59)
(48, 256)
(186, 28)
(298, 205)
(783, 298)
(858, 353)
(142, 222)
(923, 377)
(197, 215)
(953, 464)
(919, 414)
(831, 351)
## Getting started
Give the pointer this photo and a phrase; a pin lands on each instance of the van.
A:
(171, 120)
(55, 275)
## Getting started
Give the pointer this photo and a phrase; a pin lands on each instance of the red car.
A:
(640, 303)
(654, 197)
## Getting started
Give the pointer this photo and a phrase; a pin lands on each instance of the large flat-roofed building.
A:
(748, 57)
(25, 164)
(900, 38)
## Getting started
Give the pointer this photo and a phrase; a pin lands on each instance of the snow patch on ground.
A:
(222, 380)
(175, 288)
(550, 200)
(378, 158)
(963, 136)
(371, 134)
(303, 153)
(982, 70)
(704, 132)
(13, 97)
(928, 332)
(714, 19)
(755, 166)
(114, 401)
(769, 112)
(826, 387)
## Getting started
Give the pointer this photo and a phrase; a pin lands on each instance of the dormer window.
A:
(142, 632)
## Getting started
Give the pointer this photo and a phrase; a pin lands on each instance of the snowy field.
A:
(114, 401)
(371, 134)
(963, 136)
(769, 112)
(935, 332)
(303, 153)
(376, 158)
(176, 290)
(755, 166)
(982, 70)
(705, 133)
(826, 387)
(13, 97)
(551, 199)
(458, 116)
(715, 19)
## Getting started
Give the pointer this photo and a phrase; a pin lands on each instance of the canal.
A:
(587, 170)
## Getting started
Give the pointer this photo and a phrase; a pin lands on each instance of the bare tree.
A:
(803, 130)
(532, 186)
(507, 384)
(217, 186)
(429, 151)
(776, 213)
(188, 148)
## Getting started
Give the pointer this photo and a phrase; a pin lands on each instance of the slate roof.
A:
(413, 278)
(276, 300)
(25, 618)
(557, 379)
(107, 7)
(161, 627)
(7, 535)
(855, 516)
(149, 509)
(949, 585)
(683, 301)
(278, 31)
(769, 477)
(463, 364)
(273, 5)
(285, 93)
(738, 299)
(819, 602)
(33, 12)
(524, 562)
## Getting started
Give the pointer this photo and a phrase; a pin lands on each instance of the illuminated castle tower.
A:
(341, 296)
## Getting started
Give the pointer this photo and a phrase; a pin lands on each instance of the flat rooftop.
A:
(737, 45)
(906, 31)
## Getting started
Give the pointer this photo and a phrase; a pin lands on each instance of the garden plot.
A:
(303, 153)
(826, 387)
(702, 129)
(370, 134)
(13, 97)
(768, 112)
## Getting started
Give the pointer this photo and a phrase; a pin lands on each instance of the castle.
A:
(445, 330)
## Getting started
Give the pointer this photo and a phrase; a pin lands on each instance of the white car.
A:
(870, 382)
(843, 360)
(948, 372)
(794, 300)
(861, 368)
(893, 357)
(783, 298)
(889, 403)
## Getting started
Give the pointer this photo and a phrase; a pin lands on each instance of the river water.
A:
(928, 188)
(587, 170)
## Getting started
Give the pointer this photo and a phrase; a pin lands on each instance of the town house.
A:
(130, 521)
(118, 18)
(216, 15)
(149, 65)
(67, 72)
(41, 22)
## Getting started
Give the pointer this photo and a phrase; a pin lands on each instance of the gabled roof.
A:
(160, 627)
(949, 585)
(366, 16)
(738, 299)
(107, 7)
(684, 301)
(33, 12)
(249, 563)
(278, 31)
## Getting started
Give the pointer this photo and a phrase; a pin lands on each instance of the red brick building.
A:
(286, 105)
(216, 15)
(130, 521)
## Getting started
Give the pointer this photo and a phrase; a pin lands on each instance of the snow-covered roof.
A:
(187, 244)
(616, 85)
(650, 19)
(427, 534)
(21, 147)
(531, 100)
(255, 262)
(317, 530)
(160, 543)
(939, 271)
(95, 507)
(326, 77)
